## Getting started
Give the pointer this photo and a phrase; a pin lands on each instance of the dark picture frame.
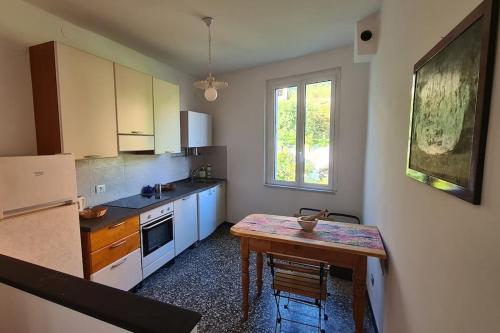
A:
(450, 106)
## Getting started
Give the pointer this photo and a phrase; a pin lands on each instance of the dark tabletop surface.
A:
(120, 308)
(115, 214)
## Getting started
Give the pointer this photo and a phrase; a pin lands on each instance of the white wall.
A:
(239, 124)
(444, 269)
(23, 25)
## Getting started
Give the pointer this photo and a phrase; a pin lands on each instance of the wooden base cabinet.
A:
(74, 102)
(112, 255)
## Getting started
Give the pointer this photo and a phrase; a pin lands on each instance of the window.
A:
(300, 131)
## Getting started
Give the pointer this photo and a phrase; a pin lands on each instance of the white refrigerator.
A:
(39, 220)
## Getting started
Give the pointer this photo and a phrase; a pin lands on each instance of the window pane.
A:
(317, 133)
(286, 133)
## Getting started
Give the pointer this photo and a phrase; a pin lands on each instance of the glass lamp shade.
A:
(211, 94)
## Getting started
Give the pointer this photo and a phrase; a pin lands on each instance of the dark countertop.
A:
(120, 308)
(117, 214)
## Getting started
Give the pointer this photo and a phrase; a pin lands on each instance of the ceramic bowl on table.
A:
(307, 225)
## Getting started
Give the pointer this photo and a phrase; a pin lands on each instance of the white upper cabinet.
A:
(134, 101)
(74, 102)
(86, 101)
(166, 98)
(196, 129)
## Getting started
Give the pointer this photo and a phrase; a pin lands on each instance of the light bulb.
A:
(211, 94)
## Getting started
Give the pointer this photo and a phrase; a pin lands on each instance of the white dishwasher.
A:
(207, 212)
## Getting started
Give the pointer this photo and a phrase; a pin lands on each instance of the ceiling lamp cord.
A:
(209, 22)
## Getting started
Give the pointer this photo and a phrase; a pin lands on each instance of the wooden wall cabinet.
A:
(134, 101)
(167, 119)
(74, 102)
(196, 129)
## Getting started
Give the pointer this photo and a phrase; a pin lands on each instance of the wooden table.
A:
(340, 244)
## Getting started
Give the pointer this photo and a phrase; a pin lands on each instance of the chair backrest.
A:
(332, 216)
(299, 275)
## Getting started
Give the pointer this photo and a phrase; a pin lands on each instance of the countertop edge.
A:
(120, 308)
(125, 213)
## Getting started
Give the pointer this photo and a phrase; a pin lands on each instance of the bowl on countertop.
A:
(93, 213)
(307, 225)
(168, 187)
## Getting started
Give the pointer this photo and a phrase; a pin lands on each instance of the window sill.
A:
(294, 188)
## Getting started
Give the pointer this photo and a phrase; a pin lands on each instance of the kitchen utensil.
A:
(157, 191)
(148, 190)
(81, 203)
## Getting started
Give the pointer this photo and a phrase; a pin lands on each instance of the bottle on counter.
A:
(209, 171)
(202, 173)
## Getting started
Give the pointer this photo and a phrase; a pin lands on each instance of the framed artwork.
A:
(450, 106)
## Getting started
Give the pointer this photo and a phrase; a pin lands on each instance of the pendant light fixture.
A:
(209, 84)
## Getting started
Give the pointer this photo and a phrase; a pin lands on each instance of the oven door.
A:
(156, 235)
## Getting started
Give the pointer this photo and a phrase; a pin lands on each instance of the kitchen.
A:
(148, 120)
(167, 159)
(249, 166)
(114, 130)
(124, 128)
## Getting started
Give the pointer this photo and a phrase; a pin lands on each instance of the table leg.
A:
(260, 264)
(245, 281)
(359, 292)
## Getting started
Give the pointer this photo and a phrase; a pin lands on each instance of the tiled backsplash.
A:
(216, 156)
(126, 174)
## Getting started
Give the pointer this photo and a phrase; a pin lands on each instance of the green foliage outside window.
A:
(317, 133)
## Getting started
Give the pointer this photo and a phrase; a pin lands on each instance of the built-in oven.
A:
(157, 238)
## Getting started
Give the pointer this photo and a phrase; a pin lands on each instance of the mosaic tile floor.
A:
(206, 279)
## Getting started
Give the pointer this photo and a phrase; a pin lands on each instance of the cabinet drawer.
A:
(113, 233)
(113, 252)
(157, 212)
(123, 274)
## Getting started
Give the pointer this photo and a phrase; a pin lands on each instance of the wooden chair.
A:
(340, 272)
(299, 276)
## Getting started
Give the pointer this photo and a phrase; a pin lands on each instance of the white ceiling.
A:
(246, 33)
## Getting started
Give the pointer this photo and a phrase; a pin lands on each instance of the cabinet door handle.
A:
(114, 246)
(119, 263)
(116, 225)
(91, 156)
(136, 132)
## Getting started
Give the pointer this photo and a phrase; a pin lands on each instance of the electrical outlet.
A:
(100, 188)
(372, 279)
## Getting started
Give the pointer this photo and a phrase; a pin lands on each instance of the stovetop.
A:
(138, 201)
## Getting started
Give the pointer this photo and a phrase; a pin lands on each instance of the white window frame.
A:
(301, 81)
